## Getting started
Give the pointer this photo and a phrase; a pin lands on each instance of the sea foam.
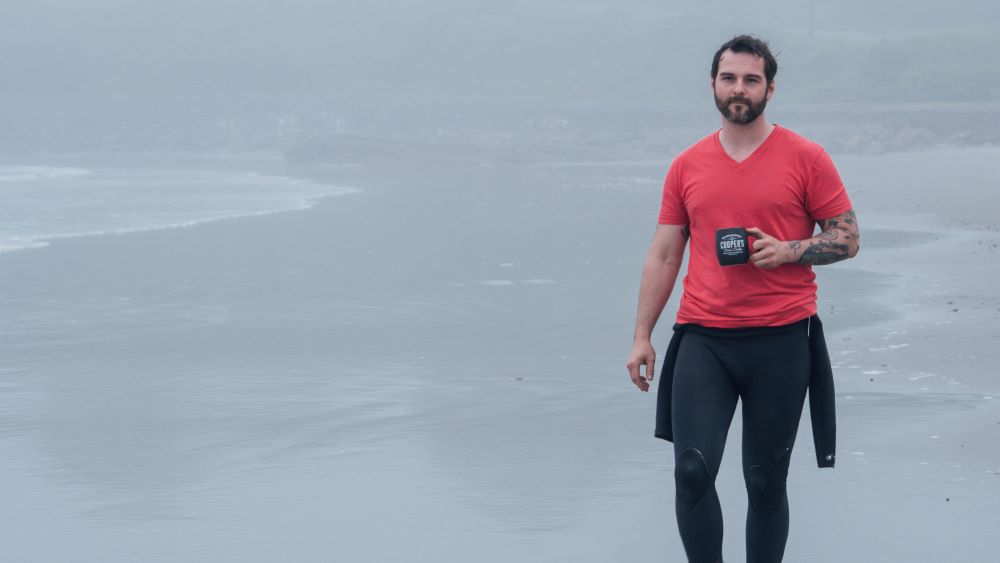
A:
(45, 203)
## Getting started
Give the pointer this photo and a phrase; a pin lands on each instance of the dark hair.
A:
(752, 45)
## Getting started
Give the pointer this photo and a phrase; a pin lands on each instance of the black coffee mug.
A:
(731, 246)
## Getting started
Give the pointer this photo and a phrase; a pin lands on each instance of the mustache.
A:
(738, 101)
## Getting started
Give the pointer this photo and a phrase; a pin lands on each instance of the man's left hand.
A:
(769, 252)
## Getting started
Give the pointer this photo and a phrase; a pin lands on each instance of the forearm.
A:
(838, 240)
(658, 277)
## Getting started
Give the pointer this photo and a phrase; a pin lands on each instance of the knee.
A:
(765, 489)
(692, 478)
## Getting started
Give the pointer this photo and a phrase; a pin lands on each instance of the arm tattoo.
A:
(838, 240)
(822, 253)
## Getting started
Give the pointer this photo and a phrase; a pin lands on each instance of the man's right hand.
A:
(642, 355)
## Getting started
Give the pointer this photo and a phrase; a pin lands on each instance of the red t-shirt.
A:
(783, 188)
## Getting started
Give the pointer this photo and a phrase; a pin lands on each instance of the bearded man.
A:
(747, 198)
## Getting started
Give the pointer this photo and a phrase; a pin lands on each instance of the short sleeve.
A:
(825, 195)
(672, 209)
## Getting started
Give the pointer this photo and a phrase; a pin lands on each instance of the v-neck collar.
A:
(751, 156)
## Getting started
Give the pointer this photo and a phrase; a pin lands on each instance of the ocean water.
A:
(42, 203)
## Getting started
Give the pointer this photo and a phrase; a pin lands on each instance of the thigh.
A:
(703, 402)
(773, 395)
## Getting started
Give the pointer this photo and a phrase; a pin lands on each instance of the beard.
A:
(751, 112)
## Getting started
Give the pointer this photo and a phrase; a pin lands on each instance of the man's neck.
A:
(738, 138)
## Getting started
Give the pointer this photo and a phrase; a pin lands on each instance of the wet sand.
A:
(433, 370)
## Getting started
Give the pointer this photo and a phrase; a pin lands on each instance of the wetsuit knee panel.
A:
(692, 478)
(765, 489)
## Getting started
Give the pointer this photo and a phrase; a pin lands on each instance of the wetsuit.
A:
(768, 370)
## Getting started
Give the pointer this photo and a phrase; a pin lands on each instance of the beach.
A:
(429, 366)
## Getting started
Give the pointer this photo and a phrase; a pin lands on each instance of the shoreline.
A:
(302, 193)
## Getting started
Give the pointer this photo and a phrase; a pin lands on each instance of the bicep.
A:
(669, 241)
(846, 221)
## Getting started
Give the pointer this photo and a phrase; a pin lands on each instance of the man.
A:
(749, 330)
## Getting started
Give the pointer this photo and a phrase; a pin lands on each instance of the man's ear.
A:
(770, 90)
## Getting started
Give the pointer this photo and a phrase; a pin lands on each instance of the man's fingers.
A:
(763, 263)
(633, 372)
(755, 232)
(642, 355)
(763, 259)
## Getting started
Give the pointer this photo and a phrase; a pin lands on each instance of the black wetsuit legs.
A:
(768, 369)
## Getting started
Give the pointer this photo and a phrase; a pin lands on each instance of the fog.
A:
(324, 280)
(128, 75)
